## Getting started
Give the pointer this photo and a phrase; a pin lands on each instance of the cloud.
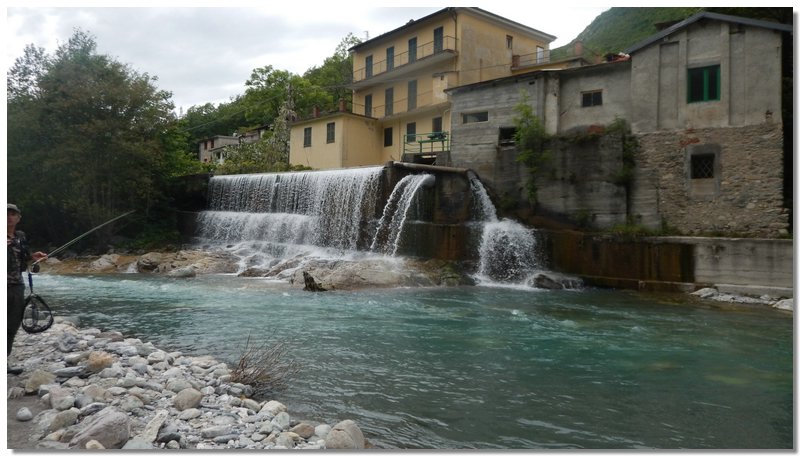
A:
(206, 54)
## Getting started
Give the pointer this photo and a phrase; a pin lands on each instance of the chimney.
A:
(342, 105)
(316, 111)
(578, 49)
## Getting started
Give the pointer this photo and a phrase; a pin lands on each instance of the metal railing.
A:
(422, 51)
(534, 58)
(425, 147)
(400, 106)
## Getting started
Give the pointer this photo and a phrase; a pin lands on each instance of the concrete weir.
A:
(426, 211)
(443, 227)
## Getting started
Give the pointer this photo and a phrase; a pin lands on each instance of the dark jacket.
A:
(18, 257)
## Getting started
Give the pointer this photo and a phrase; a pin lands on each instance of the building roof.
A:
(544, 36)
(536, 74)
(712, 16)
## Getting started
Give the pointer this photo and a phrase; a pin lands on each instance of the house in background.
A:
(212, 150)
(400, 108)
(703, 100)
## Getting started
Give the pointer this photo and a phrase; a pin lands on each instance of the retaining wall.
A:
(748, 266)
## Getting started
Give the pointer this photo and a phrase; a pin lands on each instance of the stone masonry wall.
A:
(743, 198)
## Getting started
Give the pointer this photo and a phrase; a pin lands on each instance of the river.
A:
(481, 367)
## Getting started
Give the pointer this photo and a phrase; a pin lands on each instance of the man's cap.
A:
(13, 207)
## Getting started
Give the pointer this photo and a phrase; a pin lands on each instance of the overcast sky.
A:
(205, 54)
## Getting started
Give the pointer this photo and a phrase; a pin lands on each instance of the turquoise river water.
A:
(481, 367)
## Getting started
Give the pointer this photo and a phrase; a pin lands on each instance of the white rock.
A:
(785, 304)
(273, 407)
(322, 430)
(24, 414)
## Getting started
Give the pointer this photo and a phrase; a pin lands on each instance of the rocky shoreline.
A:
(100, 390)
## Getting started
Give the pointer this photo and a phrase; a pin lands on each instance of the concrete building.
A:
(400, 108)
(212, 150)
(703, 102)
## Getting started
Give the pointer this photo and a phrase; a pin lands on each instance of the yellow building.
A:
(400, 108)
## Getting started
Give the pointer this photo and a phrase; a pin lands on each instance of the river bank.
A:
(339, 274)
(82, 388)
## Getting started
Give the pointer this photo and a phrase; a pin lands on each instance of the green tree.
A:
(532, 143)
(104, 140)
(336, 72)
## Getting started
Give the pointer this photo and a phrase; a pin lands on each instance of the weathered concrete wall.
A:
(613, 80)
(742, 262)
(478, 146)
(750, 86)
(744, 196)
(751, 266)
(578, 181)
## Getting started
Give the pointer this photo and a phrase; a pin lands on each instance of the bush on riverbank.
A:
(265, 366)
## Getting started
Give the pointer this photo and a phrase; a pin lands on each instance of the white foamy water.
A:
(395, 214)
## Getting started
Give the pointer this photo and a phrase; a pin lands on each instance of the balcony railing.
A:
(402, 105)
(425, 147)
(534, 58)
(423, 51)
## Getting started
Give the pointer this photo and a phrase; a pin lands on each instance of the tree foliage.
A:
(532, 143)
(89, 138)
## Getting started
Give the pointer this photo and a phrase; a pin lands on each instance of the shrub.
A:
(265, 366)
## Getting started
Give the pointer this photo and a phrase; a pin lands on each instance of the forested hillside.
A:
(621, 27)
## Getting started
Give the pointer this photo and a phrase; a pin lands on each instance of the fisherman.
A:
(18, 257)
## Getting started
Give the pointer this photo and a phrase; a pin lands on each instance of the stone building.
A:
(702, 102)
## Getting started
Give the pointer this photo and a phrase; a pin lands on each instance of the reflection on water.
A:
(479, 367)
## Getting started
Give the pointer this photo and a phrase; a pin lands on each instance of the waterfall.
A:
(280, 219)
(388, 236)
(507, 252)
(319, 209)
(482, 204)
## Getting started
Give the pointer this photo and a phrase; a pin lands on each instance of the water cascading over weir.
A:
(396, 210)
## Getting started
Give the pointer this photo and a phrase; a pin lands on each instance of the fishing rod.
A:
(83, 236)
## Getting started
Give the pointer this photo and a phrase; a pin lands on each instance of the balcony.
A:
(426, 148)
(424, 102)
(529, 60)
(407, 62)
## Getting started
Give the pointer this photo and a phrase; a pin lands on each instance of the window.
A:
(436, 124)
(387, 137)
(507, 136)
(412, 50)
(438, 40)
(703, 171)
(593, 98)
(368, 67)
(703, 166)
(411, 132)
(703, 84)
(389, 58)
(412, 95)
(509, 42)
(389, 101)
(476, 117)
(331, 132)
(368, 105)
(307, 137)
(539, 54)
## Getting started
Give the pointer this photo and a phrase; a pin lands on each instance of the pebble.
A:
(106, 391)
(24, 414)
